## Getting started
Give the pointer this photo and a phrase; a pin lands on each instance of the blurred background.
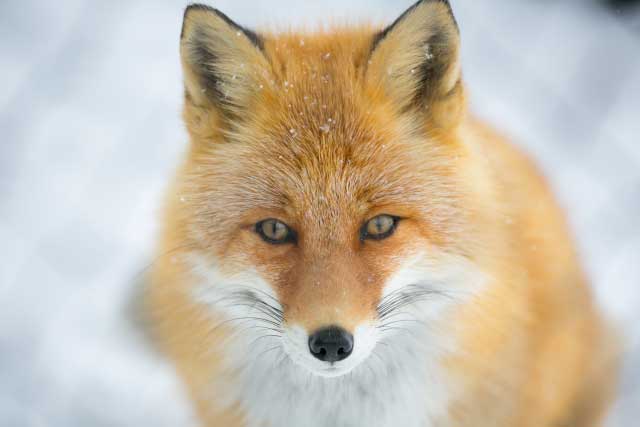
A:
(90, 132)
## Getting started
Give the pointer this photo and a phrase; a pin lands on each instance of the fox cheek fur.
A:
(346, 245)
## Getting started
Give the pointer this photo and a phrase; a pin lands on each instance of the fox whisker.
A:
(244, 319)
(385, 324)
(262, 353)
(407, 295)
(406, 330)
(255, 340)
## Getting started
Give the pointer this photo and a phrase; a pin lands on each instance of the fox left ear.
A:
(416, 61)
(223, 62)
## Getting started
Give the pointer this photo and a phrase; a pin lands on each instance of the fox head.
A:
(327, 200)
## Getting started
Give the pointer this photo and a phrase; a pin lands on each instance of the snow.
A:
(91, 130)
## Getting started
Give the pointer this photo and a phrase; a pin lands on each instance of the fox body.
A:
(345, 245)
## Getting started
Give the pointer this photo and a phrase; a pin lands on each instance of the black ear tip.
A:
(377, 38)
(192, 8)
(199, 6)
(419, 2)
(251, 35)
(447, 4)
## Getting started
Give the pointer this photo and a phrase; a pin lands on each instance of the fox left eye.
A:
(379, 227)
(274, 231)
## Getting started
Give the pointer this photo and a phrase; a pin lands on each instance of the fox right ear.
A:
(223, 62)
(415, 60)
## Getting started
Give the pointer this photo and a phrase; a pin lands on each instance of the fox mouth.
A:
(332, 370)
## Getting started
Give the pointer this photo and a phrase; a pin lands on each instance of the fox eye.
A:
(379, 227)
(274, 231)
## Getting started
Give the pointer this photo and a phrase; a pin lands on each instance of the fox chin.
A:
(346, 245)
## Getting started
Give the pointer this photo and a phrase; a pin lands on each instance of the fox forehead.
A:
(316, 128)
(309, 174)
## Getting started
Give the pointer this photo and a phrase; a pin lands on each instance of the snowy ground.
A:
(90, 130)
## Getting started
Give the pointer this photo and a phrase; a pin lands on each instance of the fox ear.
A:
(415, 60)
(223, 63)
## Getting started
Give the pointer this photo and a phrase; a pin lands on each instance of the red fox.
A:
(345, 245)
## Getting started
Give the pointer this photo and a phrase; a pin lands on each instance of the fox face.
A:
(326, 200)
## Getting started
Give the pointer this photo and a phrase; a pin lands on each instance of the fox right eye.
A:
(275, 232)
(379, 228)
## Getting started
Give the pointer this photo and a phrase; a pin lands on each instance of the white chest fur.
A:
(400, 389)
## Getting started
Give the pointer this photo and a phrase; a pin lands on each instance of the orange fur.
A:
(322, 135)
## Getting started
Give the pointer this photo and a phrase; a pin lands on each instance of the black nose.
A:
(331, 344)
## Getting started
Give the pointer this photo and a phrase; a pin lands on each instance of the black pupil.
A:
(273, 228)
(381, 224)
